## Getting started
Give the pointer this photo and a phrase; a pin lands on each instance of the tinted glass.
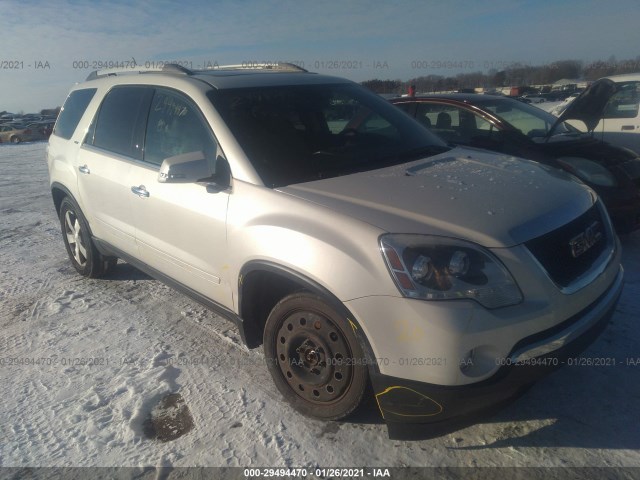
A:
(175, 127)
(531, 121)
(72, 112)
(300, 133)
(119, 126)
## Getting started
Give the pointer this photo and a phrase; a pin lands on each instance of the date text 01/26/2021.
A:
(323, 472)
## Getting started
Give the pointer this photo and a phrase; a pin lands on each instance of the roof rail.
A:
(281, 66)
(166, 68)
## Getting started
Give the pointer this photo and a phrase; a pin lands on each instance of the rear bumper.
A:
(421, 410)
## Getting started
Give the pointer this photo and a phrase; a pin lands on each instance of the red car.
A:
(515, 128)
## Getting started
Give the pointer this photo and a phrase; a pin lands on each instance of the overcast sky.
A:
(47, 46)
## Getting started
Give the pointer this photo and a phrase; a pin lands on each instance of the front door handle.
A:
(141, 191)
(628, 127)
(84, 169)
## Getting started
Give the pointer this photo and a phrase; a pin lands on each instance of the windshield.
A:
(299, 133)
(533, 122)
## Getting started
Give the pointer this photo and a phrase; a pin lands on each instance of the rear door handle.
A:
(141, 191)
(628, 127)
(84, 169)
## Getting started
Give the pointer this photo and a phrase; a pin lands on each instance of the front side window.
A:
(72, 112)
(625, 102)
(119, 124)
(300, 133)
(176, 127)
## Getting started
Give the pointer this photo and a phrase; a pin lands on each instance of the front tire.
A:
(314, 357)
(82, 252)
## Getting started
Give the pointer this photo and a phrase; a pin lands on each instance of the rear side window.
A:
(119, 124)
(72, 112)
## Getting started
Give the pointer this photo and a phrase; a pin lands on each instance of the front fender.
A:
(337, 252)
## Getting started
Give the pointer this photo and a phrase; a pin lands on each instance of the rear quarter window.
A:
(72, 112)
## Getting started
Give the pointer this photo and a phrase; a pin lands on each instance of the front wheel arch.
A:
(262, 284)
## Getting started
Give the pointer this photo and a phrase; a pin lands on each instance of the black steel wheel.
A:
(314, 357)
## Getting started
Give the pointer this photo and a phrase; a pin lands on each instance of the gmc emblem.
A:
(585, 240)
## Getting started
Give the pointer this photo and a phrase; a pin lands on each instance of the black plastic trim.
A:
(314, 287)
(59, 186)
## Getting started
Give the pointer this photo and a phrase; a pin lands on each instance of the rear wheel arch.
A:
(76, 234)
(106, 260)
(59, 192)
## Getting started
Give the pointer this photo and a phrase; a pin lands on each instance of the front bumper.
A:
(623, 201)
(415, 409)
(625, 216)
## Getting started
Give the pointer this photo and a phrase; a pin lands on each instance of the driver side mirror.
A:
(193, 167)
(185, 168)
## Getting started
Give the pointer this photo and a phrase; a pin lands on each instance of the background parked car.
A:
(515, 128)
(17, 134)
(42, 128)
(534, 98)
(558, 109)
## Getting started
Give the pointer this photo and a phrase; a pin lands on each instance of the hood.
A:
(492, 200)
(589, 105)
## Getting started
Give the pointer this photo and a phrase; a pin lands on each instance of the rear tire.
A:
(314, 357)
(15, 139)
(84, 255)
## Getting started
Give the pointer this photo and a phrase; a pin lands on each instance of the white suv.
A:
(620, 122)
(335, 230)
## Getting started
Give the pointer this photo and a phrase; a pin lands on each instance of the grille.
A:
(575, 248)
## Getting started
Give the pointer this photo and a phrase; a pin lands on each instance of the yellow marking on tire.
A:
(353, 325)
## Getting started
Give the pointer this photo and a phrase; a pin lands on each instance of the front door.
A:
(180, 227)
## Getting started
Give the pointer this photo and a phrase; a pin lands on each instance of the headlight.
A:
(588, 171)
(440, 268)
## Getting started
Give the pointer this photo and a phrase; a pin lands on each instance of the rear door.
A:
(113, 144)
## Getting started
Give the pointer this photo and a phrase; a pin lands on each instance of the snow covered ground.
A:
(145, 341)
